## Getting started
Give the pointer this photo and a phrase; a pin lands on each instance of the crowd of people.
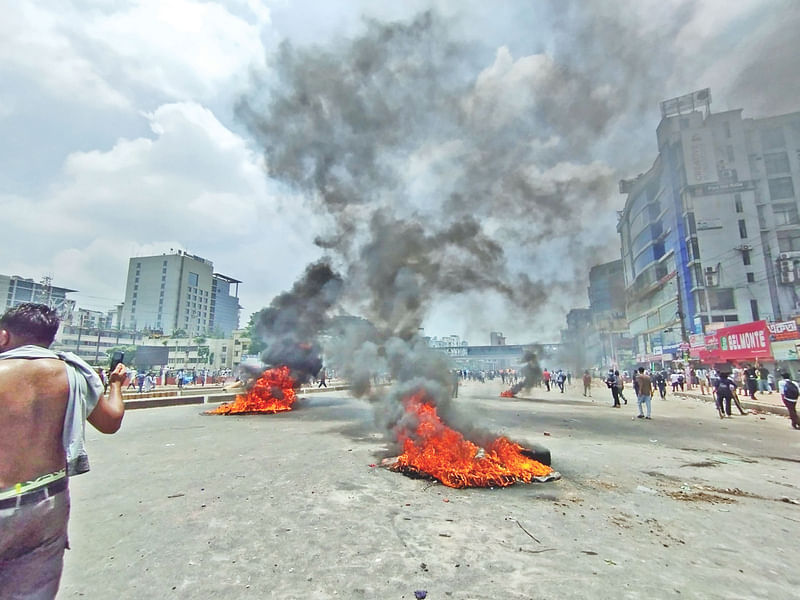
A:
(725, 387)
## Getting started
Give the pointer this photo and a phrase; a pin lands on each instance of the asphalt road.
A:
(181, 505)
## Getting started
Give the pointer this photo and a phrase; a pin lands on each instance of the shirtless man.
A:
(39, 394)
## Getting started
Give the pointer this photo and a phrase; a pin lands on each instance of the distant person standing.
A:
(322, 376)
(132, 380)
(789, 393)
(587, 384)
(645, 395)
(763, 380)
(752, 381)
(546, 378)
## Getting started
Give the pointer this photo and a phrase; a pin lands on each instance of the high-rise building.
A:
(179, 292)
(702, 230)
(14, 290)
(607, 305)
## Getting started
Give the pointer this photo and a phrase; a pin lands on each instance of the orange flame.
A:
(436, 450)
(272, 392)
(507, 394)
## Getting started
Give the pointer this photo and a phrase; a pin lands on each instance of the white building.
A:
(701, 229)
(179, 292)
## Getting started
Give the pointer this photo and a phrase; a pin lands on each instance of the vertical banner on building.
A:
(748, 341)
(698, 156)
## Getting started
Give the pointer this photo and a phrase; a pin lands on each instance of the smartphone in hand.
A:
(116, 358)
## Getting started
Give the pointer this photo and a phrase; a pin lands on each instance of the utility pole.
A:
(80, 331)
(680, 313)
(97, 349)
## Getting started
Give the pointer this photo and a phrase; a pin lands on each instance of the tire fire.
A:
(435, 450)
(507, 394)
(272, 392)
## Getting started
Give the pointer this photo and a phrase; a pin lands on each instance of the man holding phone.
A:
(45, 400)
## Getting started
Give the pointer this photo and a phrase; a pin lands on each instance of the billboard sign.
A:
(744, 342)
(698, 156)
(784, 330)
(786, 350)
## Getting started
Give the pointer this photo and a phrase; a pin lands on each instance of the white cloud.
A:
(195, 185)
(34, 45)
(101, 55)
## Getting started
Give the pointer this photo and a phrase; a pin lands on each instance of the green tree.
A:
(204, 353)
(257, 345)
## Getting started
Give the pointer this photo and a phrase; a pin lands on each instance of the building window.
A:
(762, 216)
(737, 201)
(785, 213)
(751, 278)
(776, 162)
(721, 299)
(726, 127)
(742, 229)
(789, 241)
(754, 309)
(695, 249)
(194, 279)
(772, 138)
(731, 156)
(746, 257)
(780, 188)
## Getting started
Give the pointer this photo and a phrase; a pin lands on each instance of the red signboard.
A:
(710, 353)
(744, 342)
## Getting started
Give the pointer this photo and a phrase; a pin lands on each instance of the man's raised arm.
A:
(107, 415)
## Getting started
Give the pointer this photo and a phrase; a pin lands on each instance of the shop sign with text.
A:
(784, 330)
(744, 342)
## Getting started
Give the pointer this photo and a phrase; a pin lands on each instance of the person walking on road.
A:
(645, 393)
(322, 378)
(789, 394)
(587, 384)
(621, 386)
(546, 378)
(726, 388)
(661, 382)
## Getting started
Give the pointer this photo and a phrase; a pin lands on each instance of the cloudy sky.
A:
(121, 135)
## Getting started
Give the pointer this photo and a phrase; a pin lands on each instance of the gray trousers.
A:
(33, 538)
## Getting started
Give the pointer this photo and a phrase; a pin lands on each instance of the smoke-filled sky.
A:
(478, 142)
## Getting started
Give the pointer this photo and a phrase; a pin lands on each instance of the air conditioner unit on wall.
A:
(788, 255)
(786, 271)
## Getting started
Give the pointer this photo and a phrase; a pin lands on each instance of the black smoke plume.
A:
(531, 373)
(291, 324)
